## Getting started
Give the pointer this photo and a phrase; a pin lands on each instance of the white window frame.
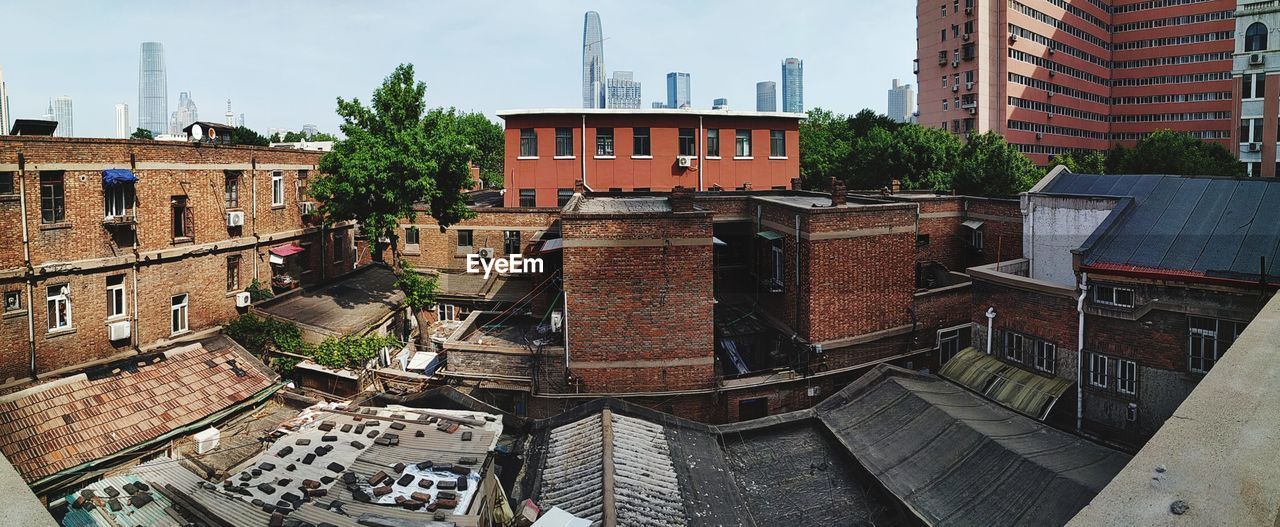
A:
(1015, 347)
(780, 141)
(1099, 378)
(976, 238)
(947, 337)
(116, 296)
(416, 237)
(446, 312)
(1208, 338)
(277, 189)
(178, 314)
(1107, 295)
(778, 274)
(116, 200)
(1253, 87)
(1253, 129)
(741, 144)
(1045, 356)
(59, 320)
(1126, 376)
(530, 141)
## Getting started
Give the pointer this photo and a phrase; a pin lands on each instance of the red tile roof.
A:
(65, 425)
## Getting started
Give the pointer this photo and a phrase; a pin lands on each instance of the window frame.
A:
(528, 197)
(528, 144)
(1204, 336)
(277, 188)
(1112, 298)
(1099, 378)
(641, 143)
(179, 314)
(116, 297)
(339, 247)
(59, 320)
(117, 199)
(182, 218)
(1045, 356)
(1126, 376)
(687, 142)
(1015, 347)
(563, 195)
(231, 189)
(742, 144)
(412, 237)
(233, 273)
(511, 243)
(564, 143)
(16, 305)
(53, 197)
(1253, 86)
(1255, 41)
(606, 147)
(777, 144)
(7, 187)
(777, 269)
(470, 236)
(713, 143)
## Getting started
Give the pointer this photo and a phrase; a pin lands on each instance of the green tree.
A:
(924, 158)
(142, 133)
(484, 135)
(1177, 153)
(1082, 162)
(321, 136)
(391, 160)
(419, 289)
(826, 148)
(864, 121)
(989, 166)
(244, 136)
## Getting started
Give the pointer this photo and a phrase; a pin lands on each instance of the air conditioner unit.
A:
(118, 330)
(968, 85)
(307, 207)
(206, 440)
(1253, 147)
(1039, 136)
(235, 218)
(486, 253)
(557, 321)
(955, 64)
(973, 111)
(1051, 115)
(243, 299)
(684, 161)
(1052, 73)
(1051, 51)
(965, 37)
(1013, 38)
(955, 87)
(1255, 59)
(968, 10)
(814, 391)
(1050, 94)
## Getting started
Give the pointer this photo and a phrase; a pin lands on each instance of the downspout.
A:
(584, 168)
(26, 258)
(797, 280)
(137, 264)
(991, 317)
(253, 220)
(702, 151)
(566, 331)
(1084, 290)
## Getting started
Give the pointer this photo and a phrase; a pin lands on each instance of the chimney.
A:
(579, 187)
(837, 192)
(896, 186)
(681, 199)
(796, 184)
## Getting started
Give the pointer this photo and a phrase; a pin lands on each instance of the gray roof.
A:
(349, 305)
(623, 205)
(1201, 226)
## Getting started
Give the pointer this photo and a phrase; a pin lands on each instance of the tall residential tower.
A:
(766, 96)
(902, 102)
(679, 90)
(122, 121)
(793, 85)
(624, 91)
(594, 92)
(153, 89)
(60, 108)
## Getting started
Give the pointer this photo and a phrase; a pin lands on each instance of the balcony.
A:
(120, 220)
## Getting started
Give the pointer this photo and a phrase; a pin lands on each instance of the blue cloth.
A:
(118, 176)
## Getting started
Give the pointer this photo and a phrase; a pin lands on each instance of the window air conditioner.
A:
(1039, 136)
(955, 64)
(235, 219)
(973, 111)
(243, 299)
(968, 85)
(955, 87)
(307, 207)
(684, 161)
(1013, 38)
(486, 253)
(1253, 147)
(118, 330)
(1255, 59)
(965, 37)
(968, 10)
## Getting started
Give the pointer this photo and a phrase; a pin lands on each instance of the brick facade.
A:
(440, 250)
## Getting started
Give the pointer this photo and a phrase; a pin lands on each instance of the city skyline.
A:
(902, 102)
(539, 44)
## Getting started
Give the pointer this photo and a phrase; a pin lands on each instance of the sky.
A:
(283, 63)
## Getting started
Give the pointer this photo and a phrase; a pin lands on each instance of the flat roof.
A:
(623, 204)
(347, 306)
(649, 111)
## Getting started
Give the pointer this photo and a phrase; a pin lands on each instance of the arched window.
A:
(1255, 38)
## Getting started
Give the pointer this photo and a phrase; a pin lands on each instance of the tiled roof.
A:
(45, 431)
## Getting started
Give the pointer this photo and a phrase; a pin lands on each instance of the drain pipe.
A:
(584, 158)
(26, 259)
(1084, 290)
(701, 151)
(991, 317)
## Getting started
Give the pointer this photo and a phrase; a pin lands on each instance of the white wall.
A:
(1053, 226)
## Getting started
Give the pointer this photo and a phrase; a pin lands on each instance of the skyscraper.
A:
(679, 90)
(122, 121)
(4, 106)
(594, 93)
(184, 115)
(60, 108)
(766, 96)
(153, 89)
(624, 92)
(230, 117)
(720, 104)
(902, 102)
(793, 85)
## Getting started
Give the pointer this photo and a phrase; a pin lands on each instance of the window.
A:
(975, 239)
(777, 143)
(59, 297)
(1127, 380)
(945, 105)
(118, 200)
(1255, 37)
(1014, 346)
(528, 143)
(563, 196)
(511, 242)
(943, 34)
(1046, 356)
(411, 236)
(464, 237)
(688, 142)
(6, 184)
(1113, 296)
(778, 270)
(528, 197)
(922, 240)
(968, 76)
(447, 312)
(604, 142)
(339, 248)
(1098, 367)
(1253, 86)
(231, 189)
(277, 189)
(53, 202)
(564, 142)
(713, 142)
(233, 272)
(944, 9)
(1251, 130)
(753, 408)
(178, 314)
(183, 218)
(116, 304)
(1209, 339)
(640, 142)
(951, 341)
(743, 144)
(12, 301)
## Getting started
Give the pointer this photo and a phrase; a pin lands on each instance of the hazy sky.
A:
(283, 63)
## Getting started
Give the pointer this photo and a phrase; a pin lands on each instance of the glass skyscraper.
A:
(793, 85)
(766, 96)
(594, 93)
(153, 90)
(60, 108)
(624, 91)
(679, 90)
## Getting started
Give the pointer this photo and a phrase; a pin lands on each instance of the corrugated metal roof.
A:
(1212, 227)
(1020, 390)
(150, 515)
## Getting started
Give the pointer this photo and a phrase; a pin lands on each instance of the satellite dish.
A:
(196, 132)
(213, 133)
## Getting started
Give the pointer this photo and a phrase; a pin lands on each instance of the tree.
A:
(142, 133)
(321, 136)
(391, 160)
(1082, 162)
(826, 147)
(244, 136)
(485, 135)
(1176, 153)
(924, 158)
(989, 166)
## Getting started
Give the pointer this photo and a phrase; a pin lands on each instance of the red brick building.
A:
(610, 150)
(153, 241)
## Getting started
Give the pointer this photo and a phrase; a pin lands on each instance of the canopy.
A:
(769, 235)
(718, 241)
(553, 244)
(972, 224)
(117, 176)
(1020, 390)
(286, 250)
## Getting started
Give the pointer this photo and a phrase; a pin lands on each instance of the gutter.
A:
(26, 257)
(1084, 291)
(584, 156)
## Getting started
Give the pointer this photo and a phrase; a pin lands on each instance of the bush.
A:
(351, 352)
(258, 292)
(256, 334)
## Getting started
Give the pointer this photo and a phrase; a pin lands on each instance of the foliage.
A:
(257, 334)
(419, 289)
(284, 365)
(257, 291)
(244, 136)
(826, 145)
(142, 133)
(393, 159)
(321, 136)
(1083, 162)
(1162, 152)
(485, 135)
(989, 166)
(351, 352)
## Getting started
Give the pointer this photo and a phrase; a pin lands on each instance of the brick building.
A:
(615, 150)
(108, 247)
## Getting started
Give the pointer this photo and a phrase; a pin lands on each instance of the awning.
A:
(286, 250)
(972, 224)
(117, 176)
(1020, 390)
(554, 244)
(718, 241)
(769, 235)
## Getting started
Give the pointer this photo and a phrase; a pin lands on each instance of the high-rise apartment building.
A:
(60, 108)
(1054, 76)
(793, 85)
(902, 102)
(4, 106)
(122, 121)
(766, 96)
(184, 115)
(624, 91)
(1256, 70)
(153, 89)
(679, 90)
(594, 92)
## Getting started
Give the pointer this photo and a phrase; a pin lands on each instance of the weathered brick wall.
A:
(1049, 317)
(941, 308)
(1002, 223)
(484, 363)
(439, 250)
(940, 220)
(640, 301)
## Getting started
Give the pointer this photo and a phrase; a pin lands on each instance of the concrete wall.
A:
(1054, 226)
